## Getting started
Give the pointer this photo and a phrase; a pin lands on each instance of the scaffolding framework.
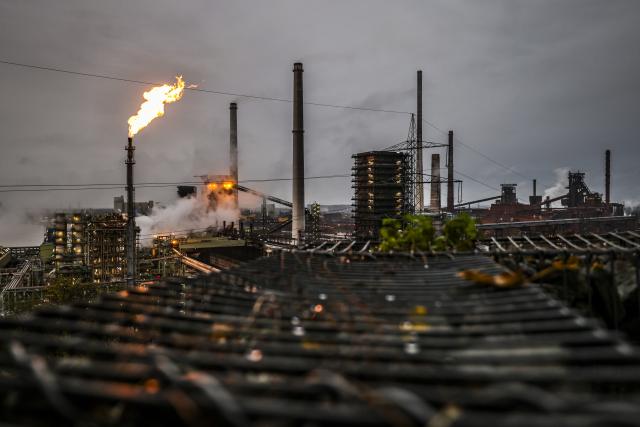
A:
(106, 243)
(382, 189)
(416, 176)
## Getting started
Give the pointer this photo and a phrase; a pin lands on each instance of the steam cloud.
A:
(20, 228)
(191, 213)
(560, 186)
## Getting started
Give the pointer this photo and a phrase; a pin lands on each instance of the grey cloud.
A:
(537, 85)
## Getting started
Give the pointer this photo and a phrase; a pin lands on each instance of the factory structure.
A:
(384, 183)
(390, 184)
(103, 246)
(381, 186)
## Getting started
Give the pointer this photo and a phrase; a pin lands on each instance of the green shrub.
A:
(460, 232)
(416, 233)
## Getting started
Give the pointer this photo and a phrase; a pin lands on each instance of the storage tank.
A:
(60, 238)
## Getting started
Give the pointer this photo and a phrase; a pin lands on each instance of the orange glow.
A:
(318, 308)
(153, 106)
(152, 386)
(227, 185)
(212, 186)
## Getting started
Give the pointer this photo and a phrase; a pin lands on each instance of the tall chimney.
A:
(534, 188)
(435, 182)
(131, 216)
(419, 167)
(233, 148)
(297, 212)
(607, 177)
(450, 197)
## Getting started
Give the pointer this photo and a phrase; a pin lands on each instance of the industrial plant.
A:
(299, 313)
(104, 246)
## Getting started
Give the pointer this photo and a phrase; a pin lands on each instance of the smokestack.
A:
(534, 188)
(419, 167)
(131, 216)
(233, 148)
(435, 182)
(607, 177)
(450, 198)
(297, 212)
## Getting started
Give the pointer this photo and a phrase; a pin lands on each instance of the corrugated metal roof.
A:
(303, 339)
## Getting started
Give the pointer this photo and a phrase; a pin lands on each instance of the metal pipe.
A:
(450, 199)
(297, 213)
(435, 182)
(607, 177)
(131, 215)
(419, 165)
(534, 188)
(233, 148)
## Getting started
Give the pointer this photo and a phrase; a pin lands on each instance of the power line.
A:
(197, 89)
(257, 97)
(492, 160)
(21, 190)
(477, 180)
(75, 187)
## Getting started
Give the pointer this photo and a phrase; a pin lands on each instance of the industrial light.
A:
(227, 185)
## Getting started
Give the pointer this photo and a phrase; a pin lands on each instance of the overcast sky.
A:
(536, 85)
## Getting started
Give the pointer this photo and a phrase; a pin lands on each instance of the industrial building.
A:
(106, 242)
(329, 331)
(581, 209)
(91, 247)
(142, 208)
(380, 180)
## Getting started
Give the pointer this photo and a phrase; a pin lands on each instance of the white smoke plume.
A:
(193, 213)
(560, 186)
(20, 228)
(631, 206)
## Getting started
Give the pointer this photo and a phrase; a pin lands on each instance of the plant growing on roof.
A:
(460, 232)
(416, 233)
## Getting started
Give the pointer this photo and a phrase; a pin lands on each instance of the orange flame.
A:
(153, 106)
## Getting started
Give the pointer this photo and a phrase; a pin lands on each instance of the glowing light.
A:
(212, 186)
(318, 308)
(227, 185)
(254, 355)
(153, 106)
(152, 386)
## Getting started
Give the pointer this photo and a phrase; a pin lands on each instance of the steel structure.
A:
(233, 147)
(107, 237)
(17, 282)
(307, 339)
(381, 181)
(607, 178)
(450, 178)
(561, 226)
(419, 163)
(78, 238)
(298, 208)
(576, 243)
(131, 214)
(60, 239)
(417, 177)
